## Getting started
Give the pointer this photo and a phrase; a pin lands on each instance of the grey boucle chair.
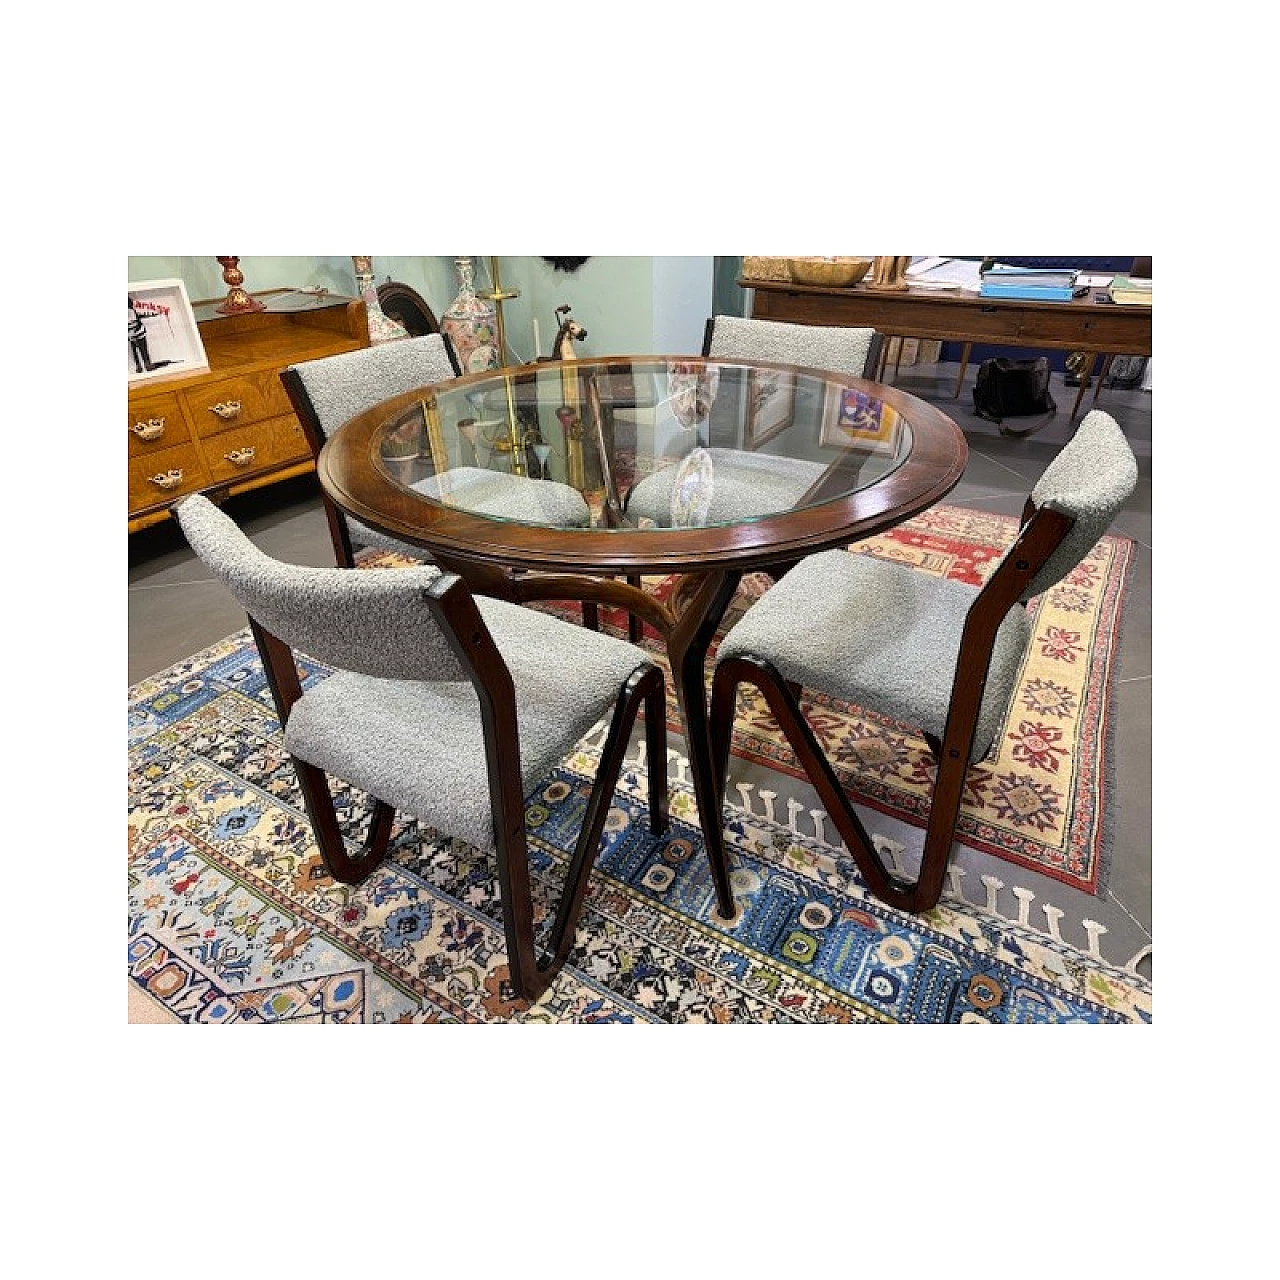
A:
(750, 484)
(852, 352)
(939, 656)
(329, 391)
(442, 705)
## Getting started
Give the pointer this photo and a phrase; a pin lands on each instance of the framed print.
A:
(771, 404)
(163, 337)
(854, 418)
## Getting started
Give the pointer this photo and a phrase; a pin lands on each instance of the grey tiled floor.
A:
(175, 609)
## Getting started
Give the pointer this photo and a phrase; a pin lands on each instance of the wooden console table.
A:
(1096, 328)
(231, 428)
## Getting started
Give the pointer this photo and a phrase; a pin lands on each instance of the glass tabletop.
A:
(642, 443)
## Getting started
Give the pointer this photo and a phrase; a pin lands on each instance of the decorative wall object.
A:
(471, 323)
(163, 335)
(567, 265)
(855, 418)
(771, 404)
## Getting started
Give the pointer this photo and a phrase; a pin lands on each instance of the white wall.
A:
(682, 293)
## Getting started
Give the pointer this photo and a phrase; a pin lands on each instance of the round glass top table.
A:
(570, 480)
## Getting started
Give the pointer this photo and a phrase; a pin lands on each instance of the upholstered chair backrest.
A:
(809, 345)
(373, 621)
(341, 386)
(1090, 480)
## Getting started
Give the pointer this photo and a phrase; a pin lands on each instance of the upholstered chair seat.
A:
(880, 635)
(372, 731)
(744, 486)
(495, 493)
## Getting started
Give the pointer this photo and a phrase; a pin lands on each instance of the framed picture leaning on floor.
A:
(163, 335)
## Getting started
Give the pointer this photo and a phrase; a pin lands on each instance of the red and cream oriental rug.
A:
(1043, 800)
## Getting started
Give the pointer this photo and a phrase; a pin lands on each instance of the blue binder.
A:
(1038, 284)
(1036, 293)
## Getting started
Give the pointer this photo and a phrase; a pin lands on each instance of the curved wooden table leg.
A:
(1102, 377)
(688, 643)
(1085, 375)
(964, 364)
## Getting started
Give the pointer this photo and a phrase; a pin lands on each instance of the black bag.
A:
(1012, 389)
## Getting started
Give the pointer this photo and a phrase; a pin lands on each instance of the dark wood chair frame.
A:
(454, 608)
(1043, 529)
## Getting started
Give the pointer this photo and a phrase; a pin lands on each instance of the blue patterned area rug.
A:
(232, 917)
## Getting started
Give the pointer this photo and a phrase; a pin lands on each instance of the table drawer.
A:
(257, 447)
(156, 422)
(231, 403)
(148, 489)
(1100, 330)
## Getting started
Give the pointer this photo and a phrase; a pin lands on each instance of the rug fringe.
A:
(892, 850)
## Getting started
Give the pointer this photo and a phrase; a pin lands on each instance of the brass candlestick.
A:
(237, 299)
(498, 295)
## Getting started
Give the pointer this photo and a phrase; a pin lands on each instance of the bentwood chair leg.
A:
(944, 811)
(324, 822)
(529, 978)
(639, 689)
(884, 883)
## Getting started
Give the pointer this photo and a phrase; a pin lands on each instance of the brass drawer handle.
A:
(167, 479)
(152, 429)
(240, 457)
(226, 409)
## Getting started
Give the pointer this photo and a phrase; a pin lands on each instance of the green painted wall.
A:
(628, 305)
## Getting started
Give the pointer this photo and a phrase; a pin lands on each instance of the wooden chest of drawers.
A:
(231, 428)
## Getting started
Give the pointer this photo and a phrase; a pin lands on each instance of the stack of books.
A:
(1132, 290)
(1043, 284)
